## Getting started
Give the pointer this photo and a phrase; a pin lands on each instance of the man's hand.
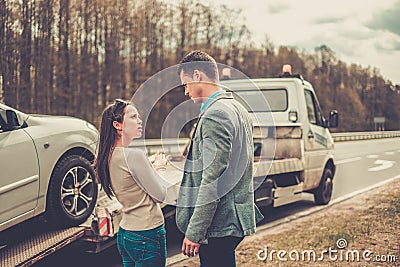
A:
(190, 248)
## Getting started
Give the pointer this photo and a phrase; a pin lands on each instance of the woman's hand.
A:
(152, 158)
(160, 161)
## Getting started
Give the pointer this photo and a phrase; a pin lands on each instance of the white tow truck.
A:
(293, 145)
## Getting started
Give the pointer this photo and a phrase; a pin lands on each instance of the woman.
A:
(127, 174)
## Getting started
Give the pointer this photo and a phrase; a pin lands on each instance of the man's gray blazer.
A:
(216, 198)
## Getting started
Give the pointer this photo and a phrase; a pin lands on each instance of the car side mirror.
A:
(9, 120)
(333, 119)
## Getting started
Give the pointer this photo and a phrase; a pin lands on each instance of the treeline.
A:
(73, 57)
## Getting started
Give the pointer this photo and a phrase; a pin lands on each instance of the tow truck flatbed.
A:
(37, 246)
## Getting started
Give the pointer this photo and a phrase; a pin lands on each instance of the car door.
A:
(315, 141)
(19, 174)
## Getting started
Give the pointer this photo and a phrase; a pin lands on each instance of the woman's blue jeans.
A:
(143, 248)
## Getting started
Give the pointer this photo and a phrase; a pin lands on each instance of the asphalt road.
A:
(360, 164)
(363, 163)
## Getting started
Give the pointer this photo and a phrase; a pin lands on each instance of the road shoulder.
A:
(364, 224)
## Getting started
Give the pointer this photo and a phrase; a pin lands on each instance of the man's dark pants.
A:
(220, 251)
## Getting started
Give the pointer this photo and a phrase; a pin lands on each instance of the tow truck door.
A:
(315, 143)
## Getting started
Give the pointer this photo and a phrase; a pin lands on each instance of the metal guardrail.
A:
(352, 136)
(176, 146)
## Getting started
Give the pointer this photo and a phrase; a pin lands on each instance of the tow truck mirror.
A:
(333, 119)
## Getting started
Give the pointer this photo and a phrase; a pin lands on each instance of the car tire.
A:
(72, 192)
(323, 193)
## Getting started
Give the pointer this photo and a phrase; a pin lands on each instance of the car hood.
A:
(52, 116)
(74, 123)
(55, 125)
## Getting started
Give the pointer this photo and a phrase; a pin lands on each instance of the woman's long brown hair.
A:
(108, 136)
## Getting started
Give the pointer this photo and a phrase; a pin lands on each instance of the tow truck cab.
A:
(293, 145)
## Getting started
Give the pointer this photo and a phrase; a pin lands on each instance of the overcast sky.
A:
(365, 32)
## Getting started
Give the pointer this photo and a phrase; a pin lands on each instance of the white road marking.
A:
(347, 160)
(383, 164)
(389, 153)
(372, 156)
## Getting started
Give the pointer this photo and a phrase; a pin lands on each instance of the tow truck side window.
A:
(313, 111)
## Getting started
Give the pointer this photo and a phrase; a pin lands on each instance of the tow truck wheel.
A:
(72, 192)
(323, 193)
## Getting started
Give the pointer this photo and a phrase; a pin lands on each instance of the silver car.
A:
(46, 167)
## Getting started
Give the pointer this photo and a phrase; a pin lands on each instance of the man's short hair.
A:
(206, 64)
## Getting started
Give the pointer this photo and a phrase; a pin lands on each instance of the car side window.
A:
(313, 111)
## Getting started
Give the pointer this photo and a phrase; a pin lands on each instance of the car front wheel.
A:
(72, 191)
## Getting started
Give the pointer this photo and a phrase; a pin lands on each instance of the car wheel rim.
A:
(328, 188)
(77, 191)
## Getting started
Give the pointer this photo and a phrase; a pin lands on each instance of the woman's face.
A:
(132, 124)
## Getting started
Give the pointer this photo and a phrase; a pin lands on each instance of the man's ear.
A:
(196, 76)
(117, 125)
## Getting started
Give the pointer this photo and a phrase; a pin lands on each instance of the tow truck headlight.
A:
(293, 116)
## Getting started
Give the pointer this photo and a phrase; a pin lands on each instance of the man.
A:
(216, 201)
